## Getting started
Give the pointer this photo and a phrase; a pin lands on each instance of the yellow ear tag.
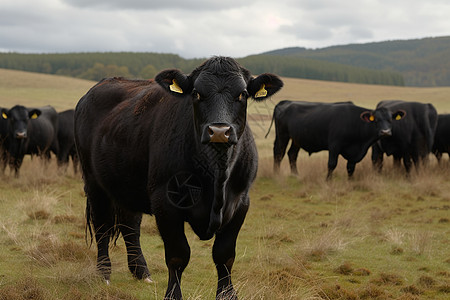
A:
(398, 117)
(34, 116)
(174, 87)
(371, 118)
(4, 116)
(262, 92)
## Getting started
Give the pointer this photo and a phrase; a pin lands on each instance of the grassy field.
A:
(378, 236)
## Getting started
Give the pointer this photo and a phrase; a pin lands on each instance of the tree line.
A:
(95, 66)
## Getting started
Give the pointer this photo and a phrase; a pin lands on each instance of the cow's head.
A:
(18, 118)
(382, 118)
(219, 90)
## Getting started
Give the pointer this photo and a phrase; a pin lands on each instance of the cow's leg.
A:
(100, 212)
(75, 162)
(130, 227)
(177, 251)
(332, 162)
(407, 163)
(15, 164)
(438, 155)
(350, 168)
(377, 158)
(398, 161)
(224, 252)
(293, 154)
(279, 150)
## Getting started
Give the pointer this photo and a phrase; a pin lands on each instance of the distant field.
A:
(378, 236)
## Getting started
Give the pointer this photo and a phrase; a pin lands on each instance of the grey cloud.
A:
(157, 5)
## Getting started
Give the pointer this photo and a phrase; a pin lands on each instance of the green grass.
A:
(378, 236)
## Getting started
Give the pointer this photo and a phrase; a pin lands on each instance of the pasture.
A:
(378, 236)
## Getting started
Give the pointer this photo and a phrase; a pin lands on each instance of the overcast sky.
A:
(202, 28)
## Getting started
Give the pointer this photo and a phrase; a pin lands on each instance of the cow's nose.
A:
(219, 134)
(385, 132)
(21, 135)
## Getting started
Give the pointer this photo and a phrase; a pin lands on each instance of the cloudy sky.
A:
(202, 28)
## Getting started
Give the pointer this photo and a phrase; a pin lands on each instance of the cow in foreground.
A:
(442, 136)
(66, 140)
(178, 148)
(30, 131)
(412, 139)
(342, 128)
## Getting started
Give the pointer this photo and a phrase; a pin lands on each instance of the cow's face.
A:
(18, 118)
(383, 119)
(219, 90)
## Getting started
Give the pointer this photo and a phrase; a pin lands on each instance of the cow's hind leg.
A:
(293, 154)
(224, 252)
(130, 227)
(100, 213)
(177, 251)
(279, 150)
(332, 162)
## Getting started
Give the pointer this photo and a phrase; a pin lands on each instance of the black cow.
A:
(66, 140)
(341, 128)
(30, 131)
(3, 135)
(179, 148)
(412, 139)
(442, 136)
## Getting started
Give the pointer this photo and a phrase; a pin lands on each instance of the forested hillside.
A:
(422, 62)
(95, 66)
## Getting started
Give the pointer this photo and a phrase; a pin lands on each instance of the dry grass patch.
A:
(388, 279)
(25, 289)
(322, 244)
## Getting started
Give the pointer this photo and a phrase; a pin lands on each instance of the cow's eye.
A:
(243, 96)
(196, 95)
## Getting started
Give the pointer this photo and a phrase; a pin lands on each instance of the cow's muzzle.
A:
(21, 134)
(219, 133)
(385, 132)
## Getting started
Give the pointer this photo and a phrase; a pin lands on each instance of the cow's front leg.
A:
(177, 252)
(224, 252)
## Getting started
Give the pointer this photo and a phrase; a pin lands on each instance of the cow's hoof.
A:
(148, 280)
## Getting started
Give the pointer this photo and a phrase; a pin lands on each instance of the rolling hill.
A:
(422, 62)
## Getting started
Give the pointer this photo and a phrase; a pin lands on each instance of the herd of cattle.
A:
(179, 147)
(36, 131)
(408, 131)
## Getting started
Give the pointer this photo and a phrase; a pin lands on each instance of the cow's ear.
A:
(5, 113)
(367, 116)
(263, 86)
(398, 115)
(174, 82)
(34, 114)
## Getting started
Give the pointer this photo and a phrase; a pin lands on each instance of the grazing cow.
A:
(66, 140)
(341, 128)
(412, 139)
(178, 148)
(30, 131)
(442, 136)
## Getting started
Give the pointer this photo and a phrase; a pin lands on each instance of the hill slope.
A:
(422, 62)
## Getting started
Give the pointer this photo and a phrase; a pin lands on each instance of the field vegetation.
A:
(377, 236)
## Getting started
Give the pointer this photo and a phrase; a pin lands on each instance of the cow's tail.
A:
(271, 122)
(90, 229)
